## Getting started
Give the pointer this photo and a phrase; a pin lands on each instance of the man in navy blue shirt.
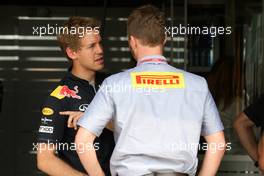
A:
(73, 93)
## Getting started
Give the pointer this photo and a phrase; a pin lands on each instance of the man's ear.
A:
(71, 53)
(132, 41)
(165, 40)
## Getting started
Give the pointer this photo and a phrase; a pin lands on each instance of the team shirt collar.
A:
(158, 59)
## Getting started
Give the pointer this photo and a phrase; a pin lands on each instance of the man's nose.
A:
(99, 49)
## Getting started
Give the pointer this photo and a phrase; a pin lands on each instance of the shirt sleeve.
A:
(255, 112)
(211, 120)
(99, 112)
(52, 124)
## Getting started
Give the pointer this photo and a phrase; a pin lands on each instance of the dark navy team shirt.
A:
(72, 94)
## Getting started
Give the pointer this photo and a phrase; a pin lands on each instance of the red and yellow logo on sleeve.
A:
(157, 80)
(64, 91)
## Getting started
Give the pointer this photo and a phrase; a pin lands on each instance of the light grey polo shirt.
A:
(159, 113)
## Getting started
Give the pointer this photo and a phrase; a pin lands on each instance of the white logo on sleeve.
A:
(46, 129)
(83, 107)
(45, 120)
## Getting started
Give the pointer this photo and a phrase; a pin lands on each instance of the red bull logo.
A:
(64, 91)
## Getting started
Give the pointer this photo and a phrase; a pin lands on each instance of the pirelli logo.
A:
(157, 80)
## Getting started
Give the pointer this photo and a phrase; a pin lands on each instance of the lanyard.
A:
(155, 60)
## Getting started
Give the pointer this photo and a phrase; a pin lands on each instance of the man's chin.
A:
(99, 67)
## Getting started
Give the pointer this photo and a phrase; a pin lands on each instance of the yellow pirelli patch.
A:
(157, 80)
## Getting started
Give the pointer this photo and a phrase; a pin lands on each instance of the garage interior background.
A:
(30, 65)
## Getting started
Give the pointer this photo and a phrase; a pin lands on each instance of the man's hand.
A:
(74, 116)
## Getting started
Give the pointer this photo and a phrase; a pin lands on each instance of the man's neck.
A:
(85, 74)
(148, 51)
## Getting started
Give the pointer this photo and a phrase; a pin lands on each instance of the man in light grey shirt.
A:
(159, 112)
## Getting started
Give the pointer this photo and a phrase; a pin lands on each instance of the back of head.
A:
(147, 23)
